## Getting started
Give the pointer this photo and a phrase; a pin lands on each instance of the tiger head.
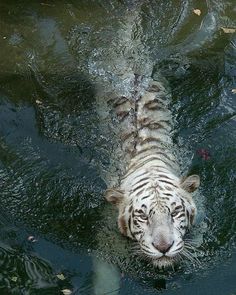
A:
(157, 215)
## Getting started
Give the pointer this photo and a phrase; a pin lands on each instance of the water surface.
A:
(59, 62)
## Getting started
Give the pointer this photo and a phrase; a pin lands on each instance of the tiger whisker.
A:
(187, 245)
(192, 242)
(193, 248)
(189, 255)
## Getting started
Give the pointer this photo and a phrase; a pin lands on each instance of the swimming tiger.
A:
(155, 204)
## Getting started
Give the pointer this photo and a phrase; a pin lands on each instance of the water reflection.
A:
(59, 63)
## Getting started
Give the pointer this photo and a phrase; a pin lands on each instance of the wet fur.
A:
(155, 205)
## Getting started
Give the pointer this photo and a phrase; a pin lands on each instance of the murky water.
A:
(59, 61)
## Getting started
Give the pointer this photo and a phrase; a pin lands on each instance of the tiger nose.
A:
(162, 246)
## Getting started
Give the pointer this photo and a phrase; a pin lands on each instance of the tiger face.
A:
(157, 217)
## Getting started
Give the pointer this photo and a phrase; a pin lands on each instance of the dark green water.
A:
(58, 60)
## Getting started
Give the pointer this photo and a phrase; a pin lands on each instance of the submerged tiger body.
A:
(155, 205)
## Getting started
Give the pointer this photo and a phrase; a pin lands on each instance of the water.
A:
(59, 62)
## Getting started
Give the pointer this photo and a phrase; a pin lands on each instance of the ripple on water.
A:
(52, 151)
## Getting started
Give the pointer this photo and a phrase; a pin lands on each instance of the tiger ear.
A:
(191, 183)
(114, 196)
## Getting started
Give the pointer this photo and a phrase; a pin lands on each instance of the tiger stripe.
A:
(157, 209)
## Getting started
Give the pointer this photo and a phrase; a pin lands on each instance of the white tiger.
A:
(155, 205)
